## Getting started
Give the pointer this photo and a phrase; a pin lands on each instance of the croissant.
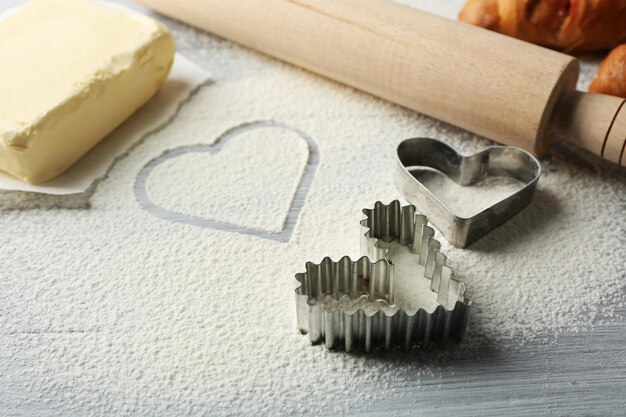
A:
(569, 25)
(611, 77)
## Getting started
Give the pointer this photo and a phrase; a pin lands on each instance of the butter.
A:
(72, 71)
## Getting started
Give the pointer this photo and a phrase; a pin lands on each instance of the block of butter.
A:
(72, 71)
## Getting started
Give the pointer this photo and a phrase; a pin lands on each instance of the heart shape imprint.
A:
(252, 180)
(420, 158)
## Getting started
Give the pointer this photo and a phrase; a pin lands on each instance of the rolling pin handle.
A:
(595, 122)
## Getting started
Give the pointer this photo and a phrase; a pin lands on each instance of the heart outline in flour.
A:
(297, 201)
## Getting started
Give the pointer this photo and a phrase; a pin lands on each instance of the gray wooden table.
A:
(567, 374)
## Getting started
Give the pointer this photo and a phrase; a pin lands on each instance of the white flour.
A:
(468, 201)
(270, 163)
(109, 310)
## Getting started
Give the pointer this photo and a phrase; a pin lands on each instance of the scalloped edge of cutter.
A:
(350, 303)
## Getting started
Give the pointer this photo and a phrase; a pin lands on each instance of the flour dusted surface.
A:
(107, 309)
(266, 165)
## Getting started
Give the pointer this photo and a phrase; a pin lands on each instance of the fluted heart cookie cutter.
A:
(465, 170)
(352, 304)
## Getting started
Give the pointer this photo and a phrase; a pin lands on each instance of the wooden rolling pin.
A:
(502, 88)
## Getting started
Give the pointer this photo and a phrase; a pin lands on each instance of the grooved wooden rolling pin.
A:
(507, 90)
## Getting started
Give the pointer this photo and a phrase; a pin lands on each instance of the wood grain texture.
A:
(595, 122)
(495, 86)
(501, 88)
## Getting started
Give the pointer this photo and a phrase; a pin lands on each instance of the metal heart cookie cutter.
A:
(465, 170)
(356, 304)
